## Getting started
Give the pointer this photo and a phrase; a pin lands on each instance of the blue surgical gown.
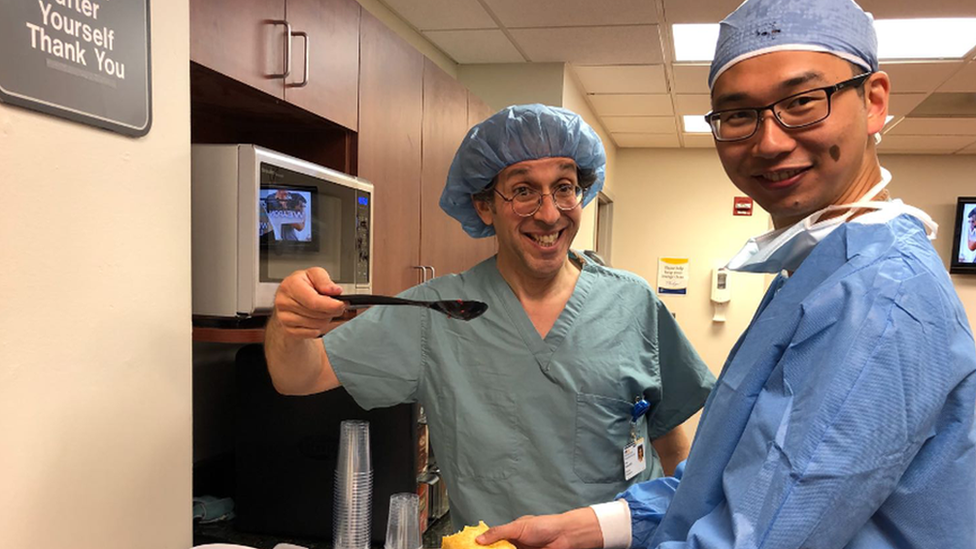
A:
(843, 417)
(522, 424)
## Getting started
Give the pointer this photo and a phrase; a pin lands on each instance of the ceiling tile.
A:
(639, 124)
(935, 126)
(476, 46)
(713, 11)
(698, 141)
(571, 13)
(630, 45)
(649, 140)
(693, 104)
(962, 81)
(946, 105)
(691, 79)
(622, 78)
(923, 77)
(924, 144)
(632, 105)
(442, 14)
(900, 104)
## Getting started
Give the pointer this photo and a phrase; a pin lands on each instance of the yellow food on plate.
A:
(465, 539)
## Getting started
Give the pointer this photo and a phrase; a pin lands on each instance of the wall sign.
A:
(742, 205)
(672, 275)
(85, 60)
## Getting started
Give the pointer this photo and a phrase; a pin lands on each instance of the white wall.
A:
(95, 430)
(678, 203)
(933, 183)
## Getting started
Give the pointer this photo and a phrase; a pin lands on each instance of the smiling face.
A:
(535, 246)
(793, 173)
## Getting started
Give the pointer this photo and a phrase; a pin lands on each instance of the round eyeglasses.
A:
(526, 201)
(796, 111)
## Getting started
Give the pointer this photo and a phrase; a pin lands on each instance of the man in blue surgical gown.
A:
(843, 416)
(530, 405)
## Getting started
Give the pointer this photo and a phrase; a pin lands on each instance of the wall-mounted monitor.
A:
(963, 260)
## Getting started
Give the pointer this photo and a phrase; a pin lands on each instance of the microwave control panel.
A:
(362, 236)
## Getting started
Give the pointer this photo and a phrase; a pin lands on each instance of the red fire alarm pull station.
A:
(742, 205)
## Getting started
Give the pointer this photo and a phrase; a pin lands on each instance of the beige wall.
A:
(410, 35)
(95, 430)
(933, 183)
(574, 99)
(678, 203)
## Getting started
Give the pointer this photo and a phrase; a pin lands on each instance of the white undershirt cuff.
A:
(614, 518)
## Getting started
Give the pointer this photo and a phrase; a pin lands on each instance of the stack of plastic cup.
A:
(353, 501)
(403, 528)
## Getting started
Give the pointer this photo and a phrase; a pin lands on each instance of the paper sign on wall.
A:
(672, 275)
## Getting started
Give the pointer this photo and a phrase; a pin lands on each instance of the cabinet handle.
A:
(288, 34)
(304, 81)
(433, 273)
(423, 272)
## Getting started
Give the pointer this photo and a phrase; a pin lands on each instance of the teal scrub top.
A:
(521, 424)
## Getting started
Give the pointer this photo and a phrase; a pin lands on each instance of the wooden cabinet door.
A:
(237, 38)
(332, 28)
(391, 100)
(443, 243)
(481, 248)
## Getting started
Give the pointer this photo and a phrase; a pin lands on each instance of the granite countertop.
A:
(224, 532)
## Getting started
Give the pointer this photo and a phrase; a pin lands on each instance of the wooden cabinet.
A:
(443, 243)
(248, 41)
(332, 29)
(236, 38)
(391, 102)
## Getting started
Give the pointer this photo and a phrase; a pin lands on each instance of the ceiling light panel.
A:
(925, 38)
(692, 123)
(695, 41)
(931, 38)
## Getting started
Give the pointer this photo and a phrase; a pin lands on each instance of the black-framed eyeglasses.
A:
(795, 111)
(526, 201)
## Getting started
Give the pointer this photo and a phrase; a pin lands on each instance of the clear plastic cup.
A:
(353, 497)
(403, 528)
(354, 453)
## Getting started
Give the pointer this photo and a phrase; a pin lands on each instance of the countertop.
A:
(224, 532)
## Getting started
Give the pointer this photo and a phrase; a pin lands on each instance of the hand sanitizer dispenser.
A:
(721, 295)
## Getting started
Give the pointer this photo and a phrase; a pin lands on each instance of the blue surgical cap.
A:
(512, 135)
(839, 27)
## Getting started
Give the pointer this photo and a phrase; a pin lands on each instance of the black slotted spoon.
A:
(454, 308)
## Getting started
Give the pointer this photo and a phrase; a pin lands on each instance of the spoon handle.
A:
(358, 300)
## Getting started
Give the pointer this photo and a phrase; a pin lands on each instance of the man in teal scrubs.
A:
(531, 405)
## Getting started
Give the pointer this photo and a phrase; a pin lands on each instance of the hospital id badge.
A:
(634, 461)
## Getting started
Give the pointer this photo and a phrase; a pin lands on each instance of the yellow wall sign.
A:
(672, 275)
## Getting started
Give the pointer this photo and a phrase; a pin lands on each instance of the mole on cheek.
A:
(835, 153)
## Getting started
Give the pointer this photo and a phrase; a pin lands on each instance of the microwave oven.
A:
(258, 215)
